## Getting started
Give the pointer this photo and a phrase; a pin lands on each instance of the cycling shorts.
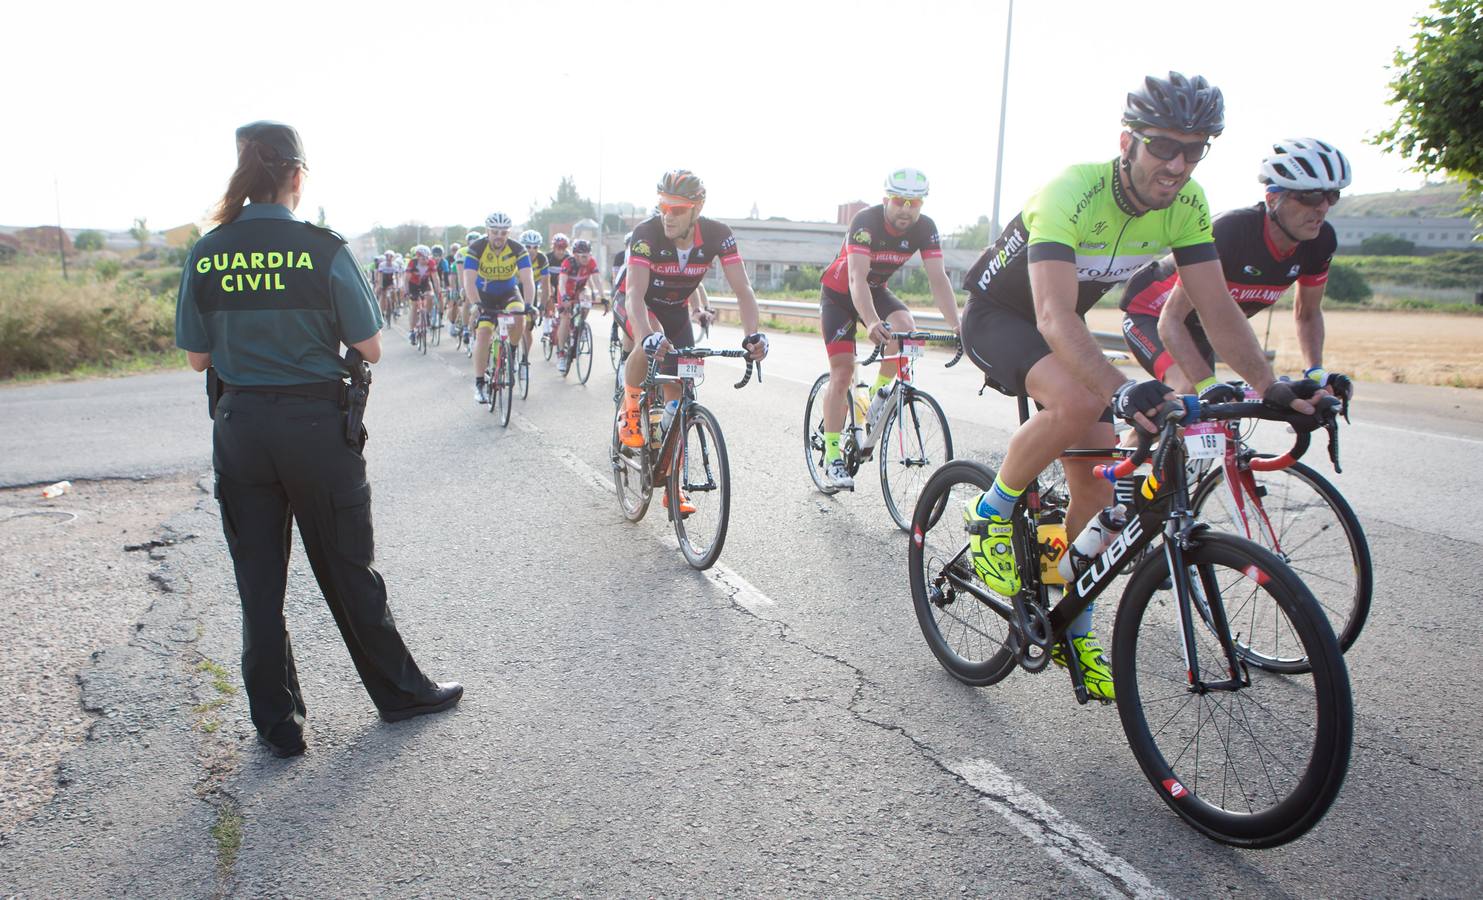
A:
(674, 321)
(1005, 346)
(838, 318)
(387, 279)
(490, 309)
(1142, 335)
(417, 290)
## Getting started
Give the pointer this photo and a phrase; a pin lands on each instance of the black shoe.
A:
(284, 751)
(445, 695)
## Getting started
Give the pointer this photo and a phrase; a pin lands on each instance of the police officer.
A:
(267, 300)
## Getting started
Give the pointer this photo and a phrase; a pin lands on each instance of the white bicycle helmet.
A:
(910, 183)
(498, 220)
(422, 250)
(472, 236)
(530, 238)
(1306, 164)
(560, 240)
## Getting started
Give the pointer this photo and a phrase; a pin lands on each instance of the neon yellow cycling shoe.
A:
(1096, 674)
(992, 550)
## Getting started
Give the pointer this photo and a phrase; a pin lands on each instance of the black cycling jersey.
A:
(1255, 273)
(675, 274)
(888, 250)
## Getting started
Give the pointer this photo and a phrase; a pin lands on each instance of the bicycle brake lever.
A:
(1333, 429)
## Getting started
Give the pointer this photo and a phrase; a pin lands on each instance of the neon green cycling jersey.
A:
(1083, 217)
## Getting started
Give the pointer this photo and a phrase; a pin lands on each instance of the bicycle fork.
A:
(1213, 608)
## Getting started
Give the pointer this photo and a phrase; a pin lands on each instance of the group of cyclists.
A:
(1192, 282)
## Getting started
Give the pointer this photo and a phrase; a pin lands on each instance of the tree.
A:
(140, 232)
(1437, 87)
(1387, 245)
(320, 220)
(974, 236)
(1346, 284)
(88, 240)
(566, 207)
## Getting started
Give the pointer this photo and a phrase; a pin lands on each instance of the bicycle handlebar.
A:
(702, 352)
(940, 337)
(1191, 410)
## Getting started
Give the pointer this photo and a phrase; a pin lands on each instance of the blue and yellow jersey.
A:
(498, 270)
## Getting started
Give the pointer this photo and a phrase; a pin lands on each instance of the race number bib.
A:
(1205, 440)
(585, 304)
(913, 349)
(504, 325)
(690, 367)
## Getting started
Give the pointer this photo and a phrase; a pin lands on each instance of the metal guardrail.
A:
(1111, 342)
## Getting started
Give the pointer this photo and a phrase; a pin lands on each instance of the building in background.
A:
(1425, 233)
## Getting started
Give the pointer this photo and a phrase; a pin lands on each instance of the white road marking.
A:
(1100, 870)
(1415, 432)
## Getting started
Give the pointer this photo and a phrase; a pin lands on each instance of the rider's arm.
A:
(1054, 286)
(527, 283)
(470, 285)
(858, 266)
(561, 285)
(638, 311)
(1307, 314)
(1229, 331)
(1179, 342)
(942, 289)
(699, 300)
(746, 301)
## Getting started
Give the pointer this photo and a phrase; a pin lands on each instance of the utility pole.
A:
(61, 237)
(994, 228)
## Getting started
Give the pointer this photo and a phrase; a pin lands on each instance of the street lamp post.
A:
(1003, 106)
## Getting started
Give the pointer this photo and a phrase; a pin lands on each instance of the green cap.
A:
(279, 139)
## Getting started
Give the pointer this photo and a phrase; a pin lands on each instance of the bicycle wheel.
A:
(491, 386)
(615, 348)
(969, 637)
(422, 340)
(505, 386)
(522, 371)
(813, 435)
(1252, 767)
(701, 473)
(583, 354)
(912, 446)
(1298, 515)
(630, 477)
(548, 345)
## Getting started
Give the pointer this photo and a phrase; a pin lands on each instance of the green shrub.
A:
(107, 269)
(1387, 245)
(88, 240)
(1347, 285)
(51, 325)
(803, 278)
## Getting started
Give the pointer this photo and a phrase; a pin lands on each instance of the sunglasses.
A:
(1314, 199)
(907, 202)
(1166, 148)
(674, 209)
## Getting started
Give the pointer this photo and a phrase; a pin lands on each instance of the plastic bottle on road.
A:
(53, 491)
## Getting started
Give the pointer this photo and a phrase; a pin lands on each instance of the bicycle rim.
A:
(630, 477)
(1301, 517)
(912, 446)
(969, 638)
(584, 354)
(813, 435)
(1253, 767)
(703, 474)
(506, 386)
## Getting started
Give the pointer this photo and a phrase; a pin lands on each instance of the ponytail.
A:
(256, 178)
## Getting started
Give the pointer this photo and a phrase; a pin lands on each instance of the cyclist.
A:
(531, 240)
(1263, 249)
(853, 290)
(497, 274)
(386, 290)
(669, 255)
(560, 250)
(445, 270)
(422, 277)
(575, 274)
(1090, 228)
(458, 320)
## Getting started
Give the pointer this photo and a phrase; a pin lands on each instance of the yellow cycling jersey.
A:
(497, 269)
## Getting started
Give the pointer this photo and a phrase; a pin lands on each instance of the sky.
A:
(123, 110)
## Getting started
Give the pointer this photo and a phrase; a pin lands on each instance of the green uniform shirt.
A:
(272, 298)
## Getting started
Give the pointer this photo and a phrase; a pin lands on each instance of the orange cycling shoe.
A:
(686, 507)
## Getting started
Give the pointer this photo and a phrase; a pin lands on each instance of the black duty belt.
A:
(333, 391)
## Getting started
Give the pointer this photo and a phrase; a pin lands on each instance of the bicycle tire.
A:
(548, 346)
(992, 659)
(584, 352)
(1315, 565)
(1148, 658)
(422, 340)
(615, 347)
(901, 490)
(713, 464)
(522, 371)
(630, 477)
(505, 384)
(813, 435)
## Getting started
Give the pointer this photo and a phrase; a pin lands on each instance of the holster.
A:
(213, 391)
(356, 395)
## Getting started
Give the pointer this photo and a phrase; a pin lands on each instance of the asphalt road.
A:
(775, 726)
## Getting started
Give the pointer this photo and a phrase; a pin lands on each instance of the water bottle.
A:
(1096, 537)
(670, 409)
(862, 404)
(656, 421)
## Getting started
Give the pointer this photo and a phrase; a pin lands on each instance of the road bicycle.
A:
(686, 454)
(436, 328)
(910, 441)
(500, 372)
(615, 346)
(1248, 757)
(578, 348)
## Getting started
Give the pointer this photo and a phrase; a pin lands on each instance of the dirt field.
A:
(1404, 348)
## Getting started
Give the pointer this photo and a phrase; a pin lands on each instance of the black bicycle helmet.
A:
(682, 183)
(1177, 103)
